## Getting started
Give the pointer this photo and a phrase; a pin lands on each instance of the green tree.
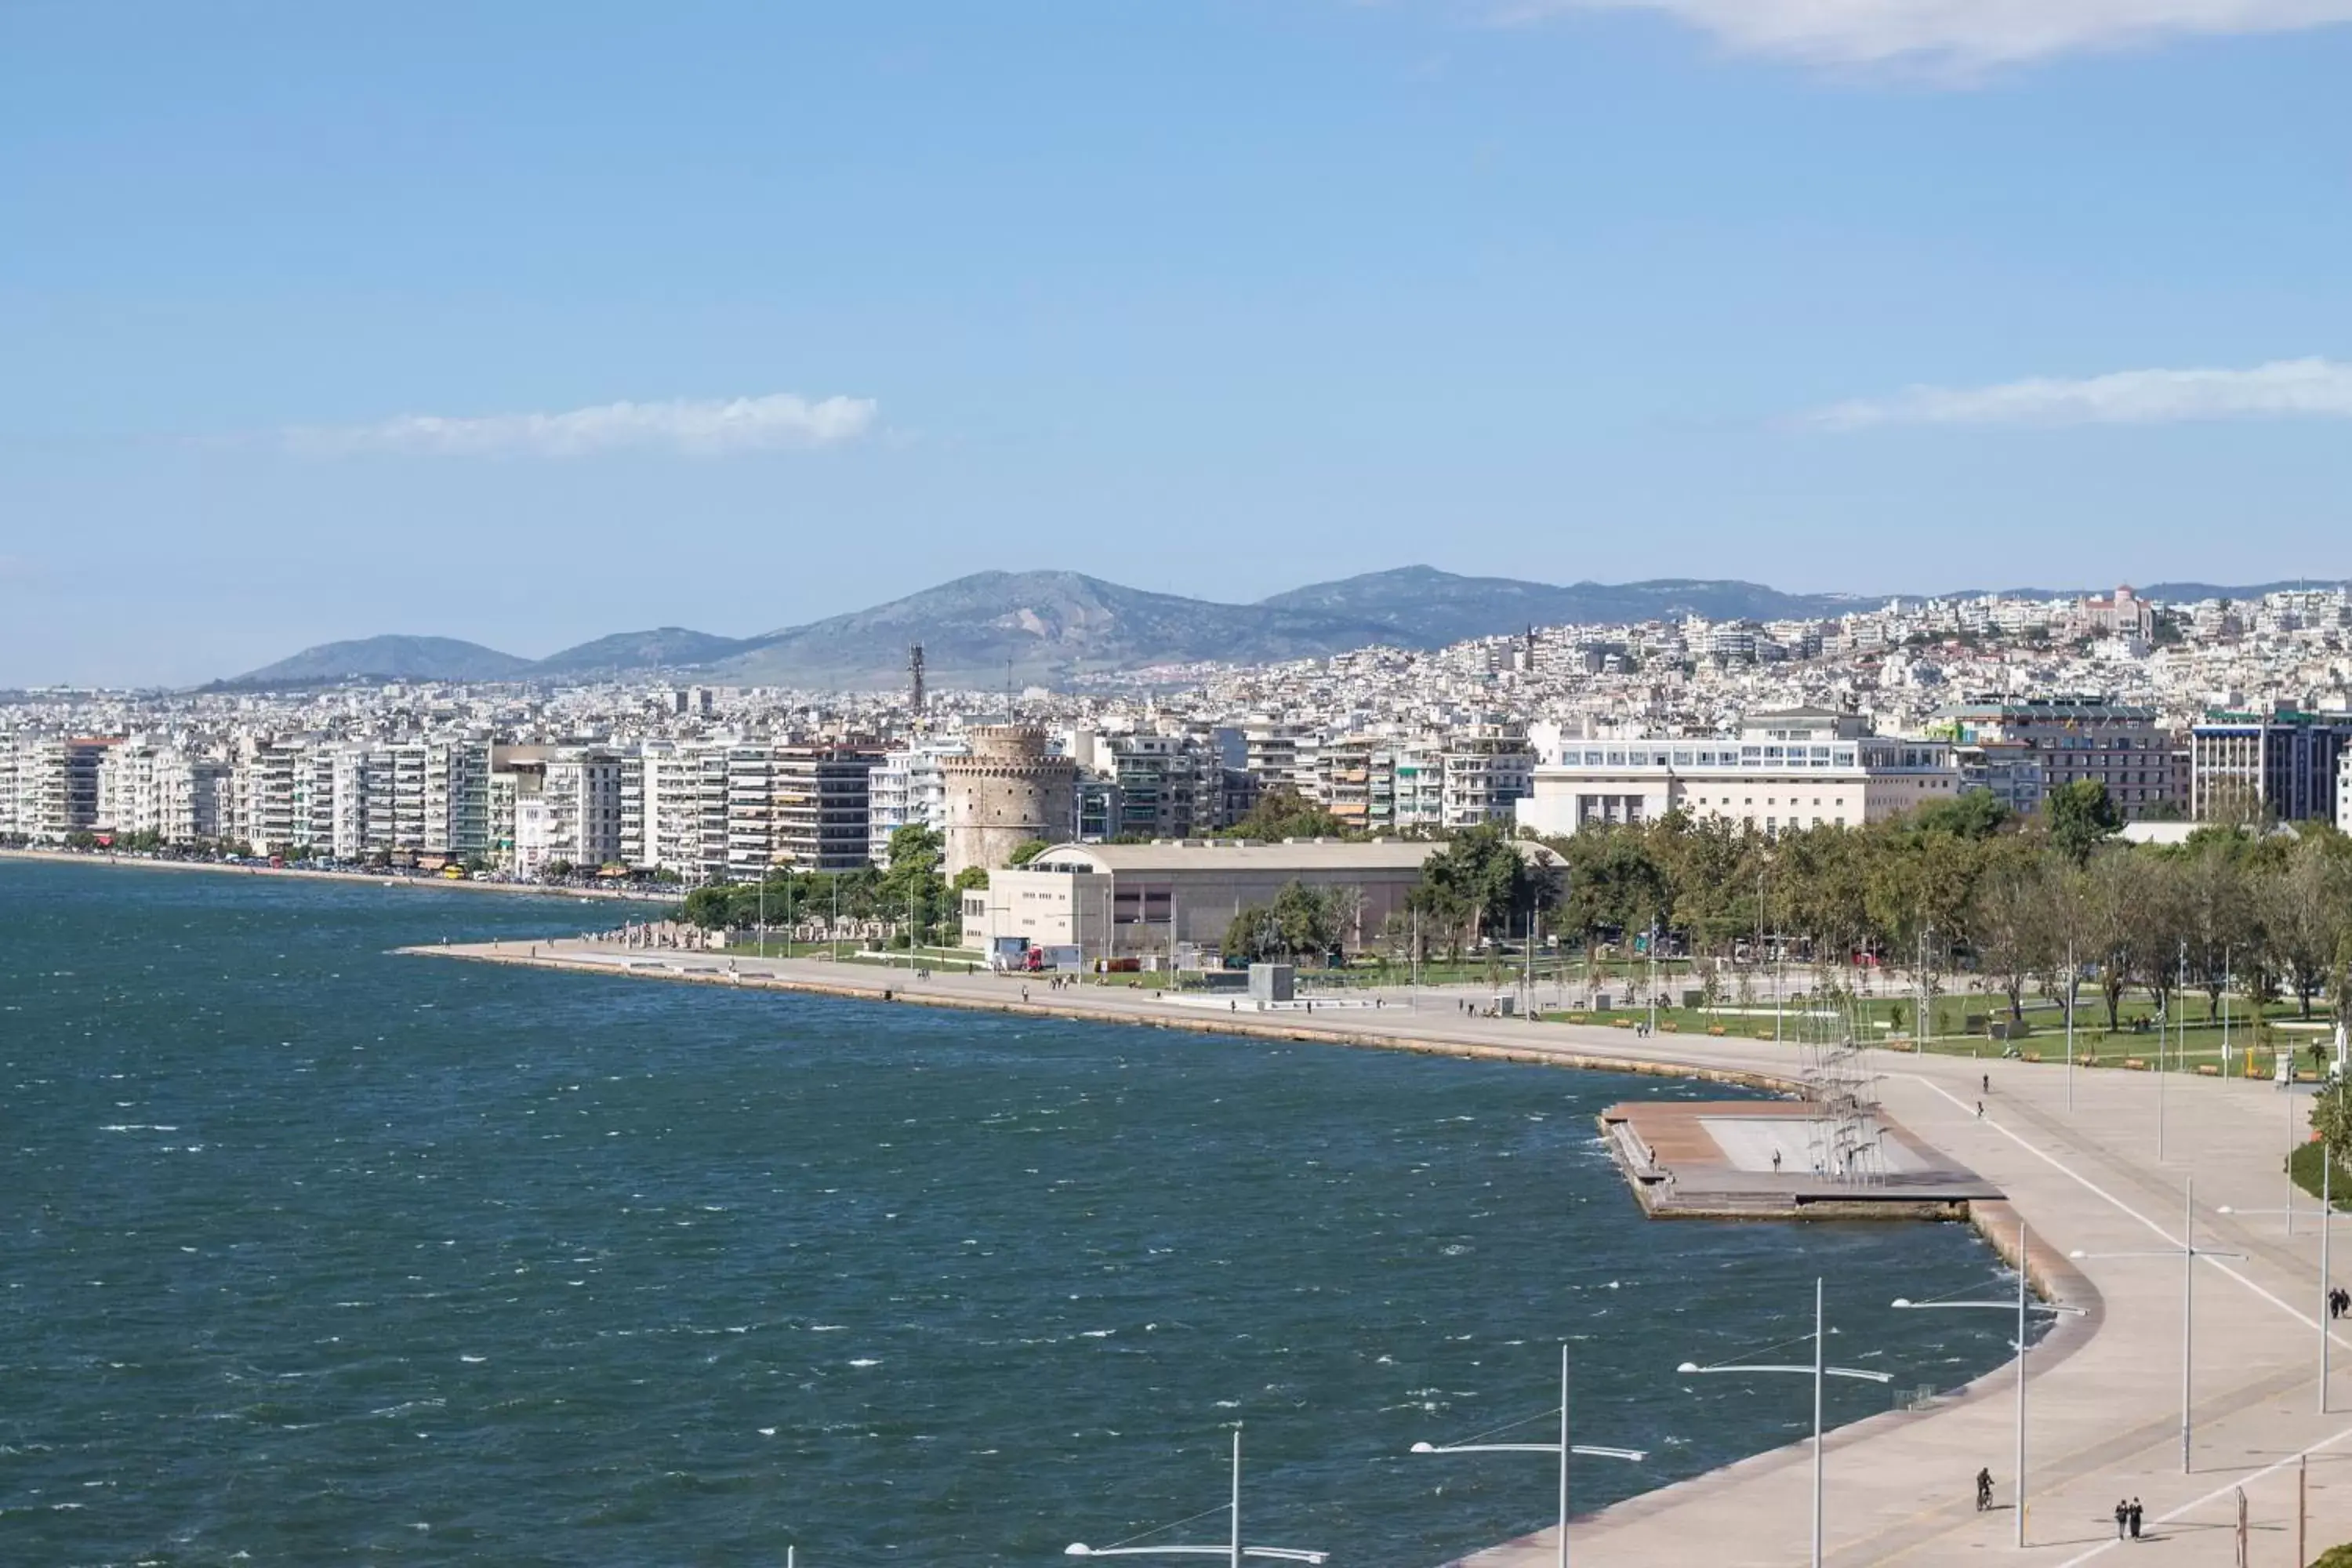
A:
(971, 877)
(1301, 922)
(911, 888)
(1481, 873)
(2079, 817)
(1283, 813)
(1027, 850)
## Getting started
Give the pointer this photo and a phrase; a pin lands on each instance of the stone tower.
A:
(1007, 792)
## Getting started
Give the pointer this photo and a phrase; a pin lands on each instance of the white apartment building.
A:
(1488, 772)
(143, 788)
(751, 811)
(567, 806)
(1799, 769)
(405, 797)
(8, 829)
(907, 788)
(52, 789)
(667, 830)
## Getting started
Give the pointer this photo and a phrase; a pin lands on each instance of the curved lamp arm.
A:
(1588, 1450)
(1688, 1368)
(1278, 1554)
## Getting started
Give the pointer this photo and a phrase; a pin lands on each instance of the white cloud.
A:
(2309, 388)
(705, 428)
(1957, 34)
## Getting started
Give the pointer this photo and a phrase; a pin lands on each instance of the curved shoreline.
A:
(2048, 1272)
(106, 860)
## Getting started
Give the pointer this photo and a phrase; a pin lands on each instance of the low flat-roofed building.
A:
(1146, 899)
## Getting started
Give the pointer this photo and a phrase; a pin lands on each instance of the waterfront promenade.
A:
(2104, 1388)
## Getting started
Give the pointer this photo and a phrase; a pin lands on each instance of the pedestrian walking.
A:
(2123, 1518)
(1979, 1110)
(1988, 1083)
(2134, 1518)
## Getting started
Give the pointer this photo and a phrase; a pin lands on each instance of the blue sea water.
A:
(319, 1254)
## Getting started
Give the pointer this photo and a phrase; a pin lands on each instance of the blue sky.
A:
(526, 323)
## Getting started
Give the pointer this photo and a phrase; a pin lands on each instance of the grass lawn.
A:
(2304, 1166)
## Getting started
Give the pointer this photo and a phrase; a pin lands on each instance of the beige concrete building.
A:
(1146, 900)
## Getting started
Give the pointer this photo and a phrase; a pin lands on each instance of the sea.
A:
(319, 1253)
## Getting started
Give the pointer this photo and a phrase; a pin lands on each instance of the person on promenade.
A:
(1984, 1489)
(2134, 1518)
(1988, 1083)
(2123, 1518)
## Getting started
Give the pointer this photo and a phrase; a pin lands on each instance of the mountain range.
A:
(1042, 627)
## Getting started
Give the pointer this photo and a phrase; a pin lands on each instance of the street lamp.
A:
(1563, 1448)
(1903, 1304)
(1233, 1550)
(1817, 1372)
(2326, 1218)
(2189, 1252)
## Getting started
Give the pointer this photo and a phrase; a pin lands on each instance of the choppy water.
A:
(318, 1255)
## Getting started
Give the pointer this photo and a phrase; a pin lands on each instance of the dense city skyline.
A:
(739, 316)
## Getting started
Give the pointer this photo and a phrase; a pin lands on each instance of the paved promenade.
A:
(2104, 1388)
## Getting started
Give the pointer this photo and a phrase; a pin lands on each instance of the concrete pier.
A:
(2080, 1169)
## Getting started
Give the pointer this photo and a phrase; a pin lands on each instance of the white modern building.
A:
(1785, 771)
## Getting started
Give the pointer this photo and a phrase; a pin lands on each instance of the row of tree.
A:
(910, 892)
(2033, 903)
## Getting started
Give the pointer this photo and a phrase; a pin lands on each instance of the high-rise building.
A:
(2284, 763)
(2071, 738)
(822, 796)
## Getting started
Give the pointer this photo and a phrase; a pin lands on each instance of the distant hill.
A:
(665, 647)
(384, 658)
(1428, 609)
(1043, 626)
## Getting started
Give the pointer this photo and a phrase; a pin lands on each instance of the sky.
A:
(530, 323)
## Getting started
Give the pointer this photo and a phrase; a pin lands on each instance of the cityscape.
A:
(2183, 712)
(1441, 783)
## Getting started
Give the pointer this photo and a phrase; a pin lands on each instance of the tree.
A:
(1483, 874)
(1301, 922)
(1971, 814)
(1028, 849)
(912, 889)
(2331, 1118)
(1283, 813)
(2079, 817)
(971, 878)
(2306, 909)
(2011, 924)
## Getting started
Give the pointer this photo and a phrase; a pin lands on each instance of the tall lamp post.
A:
(2023, 1306)
(1818, 1371)
(1233, 1550)
(1563, 1448)
(2189, 1252)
